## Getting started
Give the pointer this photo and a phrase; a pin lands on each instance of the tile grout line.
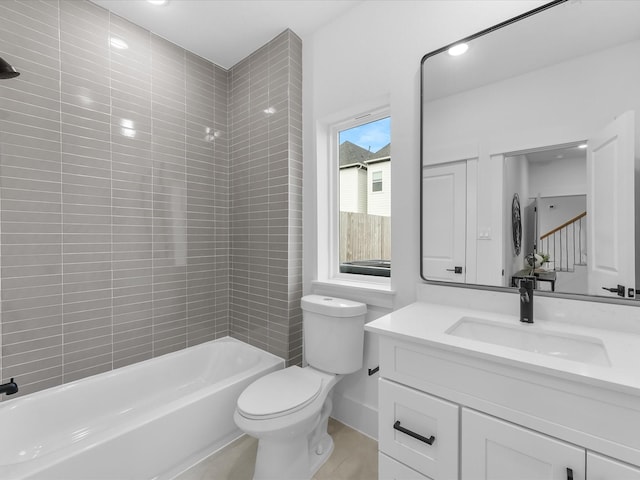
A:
(109, 28)
(59, 11)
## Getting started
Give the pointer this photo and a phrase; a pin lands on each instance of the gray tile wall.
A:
(31, 197)
(114, 195)
(149, 199)
(265, 118)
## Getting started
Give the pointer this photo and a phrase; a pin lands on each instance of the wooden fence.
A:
(364, 237)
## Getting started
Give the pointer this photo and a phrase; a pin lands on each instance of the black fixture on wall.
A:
(9, 388)
(6, 70)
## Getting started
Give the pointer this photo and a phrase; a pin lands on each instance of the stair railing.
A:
(566, 244)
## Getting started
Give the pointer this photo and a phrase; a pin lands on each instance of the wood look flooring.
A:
(354, 457)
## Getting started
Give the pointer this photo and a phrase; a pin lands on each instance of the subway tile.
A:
(83, 371)
(132, 314)
(40, 45)
(30, 350)
(181, 277)
(24, 355)
(129, 357)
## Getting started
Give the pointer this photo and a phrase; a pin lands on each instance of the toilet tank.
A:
(333, 331)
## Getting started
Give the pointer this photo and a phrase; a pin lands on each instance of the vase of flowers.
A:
(536, 260)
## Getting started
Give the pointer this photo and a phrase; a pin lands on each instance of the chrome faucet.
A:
(526, 300)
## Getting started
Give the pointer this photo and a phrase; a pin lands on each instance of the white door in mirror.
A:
(611, 210)
(444, 210)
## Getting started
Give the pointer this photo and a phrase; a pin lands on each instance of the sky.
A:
(374, 134)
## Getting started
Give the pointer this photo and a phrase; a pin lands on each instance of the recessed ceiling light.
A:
(458, 49)
(584, 145)
(158, 2)
(118, 43)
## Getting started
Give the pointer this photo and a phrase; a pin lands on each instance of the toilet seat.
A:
(279, 393)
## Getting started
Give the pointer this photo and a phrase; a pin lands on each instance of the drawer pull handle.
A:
(569, 474)
(417, 436)
(374, 370)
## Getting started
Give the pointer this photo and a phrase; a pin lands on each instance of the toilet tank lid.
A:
(331, 306)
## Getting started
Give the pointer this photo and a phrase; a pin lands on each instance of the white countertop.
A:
(426, 323)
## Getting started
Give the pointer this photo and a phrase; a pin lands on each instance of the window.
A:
(376, 181)
(363, 158)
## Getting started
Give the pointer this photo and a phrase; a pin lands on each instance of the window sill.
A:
(374, 294)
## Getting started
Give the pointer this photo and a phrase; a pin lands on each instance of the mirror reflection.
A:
(530, 153)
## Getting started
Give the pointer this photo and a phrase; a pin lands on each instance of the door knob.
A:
(455, 269)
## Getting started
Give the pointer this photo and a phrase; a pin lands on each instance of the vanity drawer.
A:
(390, 469)
(409, 420)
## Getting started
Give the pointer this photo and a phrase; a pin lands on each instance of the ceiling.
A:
(555, 154)
(571, 30)
(226, 31)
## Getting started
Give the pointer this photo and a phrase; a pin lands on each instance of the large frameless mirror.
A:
(530, 150)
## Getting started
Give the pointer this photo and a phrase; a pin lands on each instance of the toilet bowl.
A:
(281, 412)
(288, 410)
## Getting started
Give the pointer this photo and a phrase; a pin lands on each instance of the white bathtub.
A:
(150, 420)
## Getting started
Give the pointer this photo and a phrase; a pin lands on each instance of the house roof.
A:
(382, 155)
(383, 152)
(353, 155)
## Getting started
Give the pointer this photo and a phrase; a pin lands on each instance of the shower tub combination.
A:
(150, 420)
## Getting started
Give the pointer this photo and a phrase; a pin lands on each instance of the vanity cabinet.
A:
(390, 469)
(492, 449)
(496, 420)
(602, 468)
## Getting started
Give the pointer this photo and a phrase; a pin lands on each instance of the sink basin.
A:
(526, 337)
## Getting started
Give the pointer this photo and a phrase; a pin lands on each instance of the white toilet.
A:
(288, 410)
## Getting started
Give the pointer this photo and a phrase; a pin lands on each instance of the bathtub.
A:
(150, 420)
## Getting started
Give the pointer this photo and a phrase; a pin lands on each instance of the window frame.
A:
(332, 266)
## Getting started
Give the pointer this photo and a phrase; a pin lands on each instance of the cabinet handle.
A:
(374, 370)
(417, 436)
(569, 473)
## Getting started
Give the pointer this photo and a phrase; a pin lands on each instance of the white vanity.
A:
(469, 392)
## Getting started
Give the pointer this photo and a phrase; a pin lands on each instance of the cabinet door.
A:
(496, 450)
(603, 468)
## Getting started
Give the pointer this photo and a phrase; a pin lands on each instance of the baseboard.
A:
(362, 418)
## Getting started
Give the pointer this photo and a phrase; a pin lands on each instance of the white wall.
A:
(554, 211)
(368, 58)
(566, 176)
(371, 56)
(516, 180)
(474, 119)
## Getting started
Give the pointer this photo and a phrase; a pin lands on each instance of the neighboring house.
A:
(365, 180)
(353, 178)
(379, 182)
